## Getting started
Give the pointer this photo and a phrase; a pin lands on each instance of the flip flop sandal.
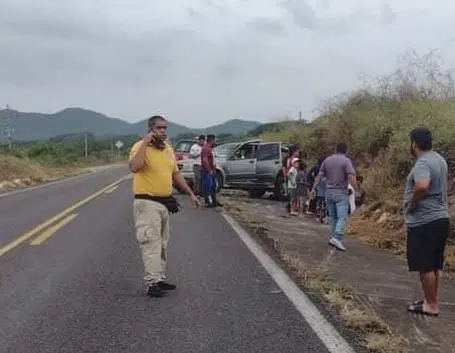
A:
(418, 302)
(417, 308)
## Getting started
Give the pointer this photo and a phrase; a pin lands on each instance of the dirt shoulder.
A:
(366, 287)
(18, 172)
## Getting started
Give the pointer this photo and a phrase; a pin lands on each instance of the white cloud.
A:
(202, 62)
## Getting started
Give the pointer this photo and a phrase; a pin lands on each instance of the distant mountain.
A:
(233, 126)
(37, 126)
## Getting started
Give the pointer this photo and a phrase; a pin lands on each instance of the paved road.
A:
(77, 287)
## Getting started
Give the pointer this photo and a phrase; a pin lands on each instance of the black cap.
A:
(421, 135)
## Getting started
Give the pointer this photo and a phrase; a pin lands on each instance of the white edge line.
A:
(326, 332)
(59, 181)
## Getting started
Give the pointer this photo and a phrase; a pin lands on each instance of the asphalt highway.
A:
(71, 279)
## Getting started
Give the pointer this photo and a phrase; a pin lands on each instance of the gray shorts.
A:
(302, 192)
(293, 194)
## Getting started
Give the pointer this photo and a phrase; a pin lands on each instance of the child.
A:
(320, 200)
(302, 186)
(292, 186)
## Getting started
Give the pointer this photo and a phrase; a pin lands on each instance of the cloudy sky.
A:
(201, 62)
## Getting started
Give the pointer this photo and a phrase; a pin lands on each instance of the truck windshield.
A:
(222, 151)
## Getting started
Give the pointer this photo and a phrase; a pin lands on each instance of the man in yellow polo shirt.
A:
(155, 170)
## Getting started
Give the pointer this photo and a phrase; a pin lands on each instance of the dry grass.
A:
(375, 123)
(339, 297)
(382, 343)
(386, 230)
(19, 172)
(15, 168)
(377, 337)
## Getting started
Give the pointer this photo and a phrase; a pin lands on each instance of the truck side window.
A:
(269, 152)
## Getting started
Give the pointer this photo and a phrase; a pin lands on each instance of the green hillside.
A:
(38, 126)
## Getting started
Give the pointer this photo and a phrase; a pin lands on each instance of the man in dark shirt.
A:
(208, 173)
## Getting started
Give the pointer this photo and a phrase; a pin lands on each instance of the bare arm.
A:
(351, 174)
(352, 179)
(421, 183)
(137, 156)
(319, 176)
(137, 161)
(317, 181)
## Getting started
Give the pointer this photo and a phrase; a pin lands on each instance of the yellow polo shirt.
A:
(155, 179)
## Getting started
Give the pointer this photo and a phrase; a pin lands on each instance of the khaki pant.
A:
(197, 179)
(152, 232)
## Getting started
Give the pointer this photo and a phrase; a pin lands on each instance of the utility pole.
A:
(300, 116)
(8, 130)
(86, 146)
(112, 148)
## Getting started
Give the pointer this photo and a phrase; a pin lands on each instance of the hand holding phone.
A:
(149, 136)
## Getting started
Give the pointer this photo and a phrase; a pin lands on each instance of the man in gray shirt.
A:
(339, 172)
(427, 218)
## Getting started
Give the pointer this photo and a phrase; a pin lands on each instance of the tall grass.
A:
(376, 120)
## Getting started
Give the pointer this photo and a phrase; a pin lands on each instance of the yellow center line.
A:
(111, 190)
(18, 241)
(52, 230)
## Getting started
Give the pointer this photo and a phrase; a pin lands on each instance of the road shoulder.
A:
(365, 290)
(18, 185)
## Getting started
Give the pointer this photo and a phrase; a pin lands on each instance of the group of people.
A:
(324, 189)
(425, 207)
(205, 184)
(298, 182)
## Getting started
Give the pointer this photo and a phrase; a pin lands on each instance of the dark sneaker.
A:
(218, 204)
(166, 286)
(155, 290)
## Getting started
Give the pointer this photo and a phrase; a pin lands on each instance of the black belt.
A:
(170, 202)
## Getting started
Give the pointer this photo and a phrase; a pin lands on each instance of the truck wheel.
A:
(219, 181)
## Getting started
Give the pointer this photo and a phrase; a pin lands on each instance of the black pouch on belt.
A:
(170, 202)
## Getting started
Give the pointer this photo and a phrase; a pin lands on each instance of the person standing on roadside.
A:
(195, 155)
(339, 173)
(302, 186)
(293, 187)
(154, 168)
(286, 165)
(311, 178)
(427, 218)
(208, 173)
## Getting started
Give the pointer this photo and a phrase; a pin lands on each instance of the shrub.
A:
(376, 121)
